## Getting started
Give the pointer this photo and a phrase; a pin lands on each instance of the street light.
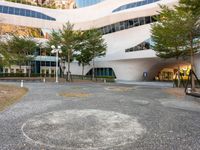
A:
(56, 50)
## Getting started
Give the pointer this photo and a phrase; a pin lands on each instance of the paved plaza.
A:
(107, 116)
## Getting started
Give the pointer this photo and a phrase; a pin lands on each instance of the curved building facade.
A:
(126, 28)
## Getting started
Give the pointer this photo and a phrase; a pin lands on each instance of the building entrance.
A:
(171, 73)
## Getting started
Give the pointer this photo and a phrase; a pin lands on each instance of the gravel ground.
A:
(114, 116)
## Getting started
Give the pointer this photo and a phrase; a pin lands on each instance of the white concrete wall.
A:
(124, 69)
(197, 65)
(84, 18)
(14, 68)
(76, 69)
(117, 42)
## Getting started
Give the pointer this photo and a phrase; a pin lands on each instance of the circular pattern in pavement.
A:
(82, 129)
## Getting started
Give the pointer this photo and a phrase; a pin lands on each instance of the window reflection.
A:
(135, 4)
(24, 12)
(127, 24)
(147, 44)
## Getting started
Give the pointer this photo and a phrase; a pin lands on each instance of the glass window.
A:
(44, 16)
(127, 7)
(130, 23)
(1, 9)
(141, 20)
(147, 20)
(11, 10)
(112, 28)
(142, 46)
(47, 63)
(117, 26)
(48, 18)
(144, 2)
(135, 4)
(109, 29)
(33, 14)
(22, 12)
(43, 63)
(84, 3)
(5, 9)
(106, 29)
(53, 63)
(126, 24)
(28, 13)
(123, 7)
(136, 22)
(38, 15)
(139, 3)
(122, 25)
(17, 11)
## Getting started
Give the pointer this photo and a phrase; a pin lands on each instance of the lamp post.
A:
(56, 50)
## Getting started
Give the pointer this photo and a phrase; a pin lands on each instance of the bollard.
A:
(22, 83)
(44, 80)
(104, 80)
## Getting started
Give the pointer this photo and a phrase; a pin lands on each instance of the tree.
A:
(55, 39)
(67, 38)
(192, 6)
(191, 11)
(169, 43)
(170, 40)
(175, 33)
(83, 55)
(6, 58)
(21, 49)
(84, 58)
(95, 45)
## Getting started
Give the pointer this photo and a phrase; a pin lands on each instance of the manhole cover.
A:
(82, 129)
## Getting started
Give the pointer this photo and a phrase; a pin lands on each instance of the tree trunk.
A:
(20, 68)
(68, 61)
(192, 62)
(93, 75)
(82, 71)
(179, 79)
(178, 74)
(29, 70)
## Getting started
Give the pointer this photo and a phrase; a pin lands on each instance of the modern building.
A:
(126, 28)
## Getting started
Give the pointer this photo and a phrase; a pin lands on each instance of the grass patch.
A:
(79, 95)
(77, 88)
(119, 88)
(10, 94)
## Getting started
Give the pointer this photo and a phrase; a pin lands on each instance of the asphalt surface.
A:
(112, 116)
